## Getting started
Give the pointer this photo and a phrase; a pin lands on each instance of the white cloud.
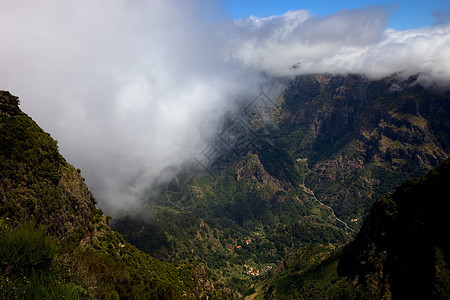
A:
(130, 88)
(127, 87)
(345, 42)
(274, 44)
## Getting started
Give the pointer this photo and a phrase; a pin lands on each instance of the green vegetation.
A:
(341, 140)
(33, 267)
(401, 251)
(360, 138)
(26, 249)
(114, 269)
(405, 234)
(336, 144)
(55, 244)
(36, 183)
(233, 220)
(27, 266)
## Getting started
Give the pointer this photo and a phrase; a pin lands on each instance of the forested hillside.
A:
(401, 251)
(54, 242)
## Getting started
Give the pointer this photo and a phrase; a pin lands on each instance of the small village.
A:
(248, 241)
(252, 272)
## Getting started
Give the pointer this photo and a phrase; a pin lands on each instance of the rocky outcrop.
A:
(251, 172)
(9, 104)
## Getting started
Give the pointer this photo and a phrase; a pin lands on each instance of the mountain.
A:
(37, 184)
(401, 251)
(360, 138)
(303, 171)
(288, 182)
(242, 217)
(54, 242)
(403, 245)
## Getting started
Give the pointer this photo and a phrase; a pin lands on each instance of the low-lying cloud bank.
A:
(130, 88)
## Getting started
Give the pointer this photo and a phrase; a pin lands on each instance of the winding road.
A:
(311, 193)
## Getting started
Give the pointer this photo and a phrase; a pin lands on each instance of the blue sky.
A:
(404, 14)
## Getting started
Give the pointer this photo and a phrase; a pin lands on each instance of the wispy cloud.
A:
(130, 88)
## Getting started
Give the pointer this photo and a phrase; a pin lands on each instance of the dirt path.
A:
(311, 193)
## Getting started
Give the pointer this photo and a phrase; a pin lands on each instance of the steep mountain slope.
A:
(403, 246)
(55, 244)
(360, 138)
(36, 183)
(401, 251)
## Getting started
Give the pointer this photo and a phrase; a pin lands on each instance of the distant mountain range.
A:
(362, 137)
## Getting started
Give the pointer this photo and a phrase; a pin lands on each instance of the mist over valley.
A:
(192, 154)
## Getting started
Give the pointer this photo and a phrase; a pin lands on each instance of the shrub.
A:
(25, 248)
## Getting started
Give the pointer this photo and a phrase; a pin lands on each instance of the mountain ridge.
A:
(406, 230)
